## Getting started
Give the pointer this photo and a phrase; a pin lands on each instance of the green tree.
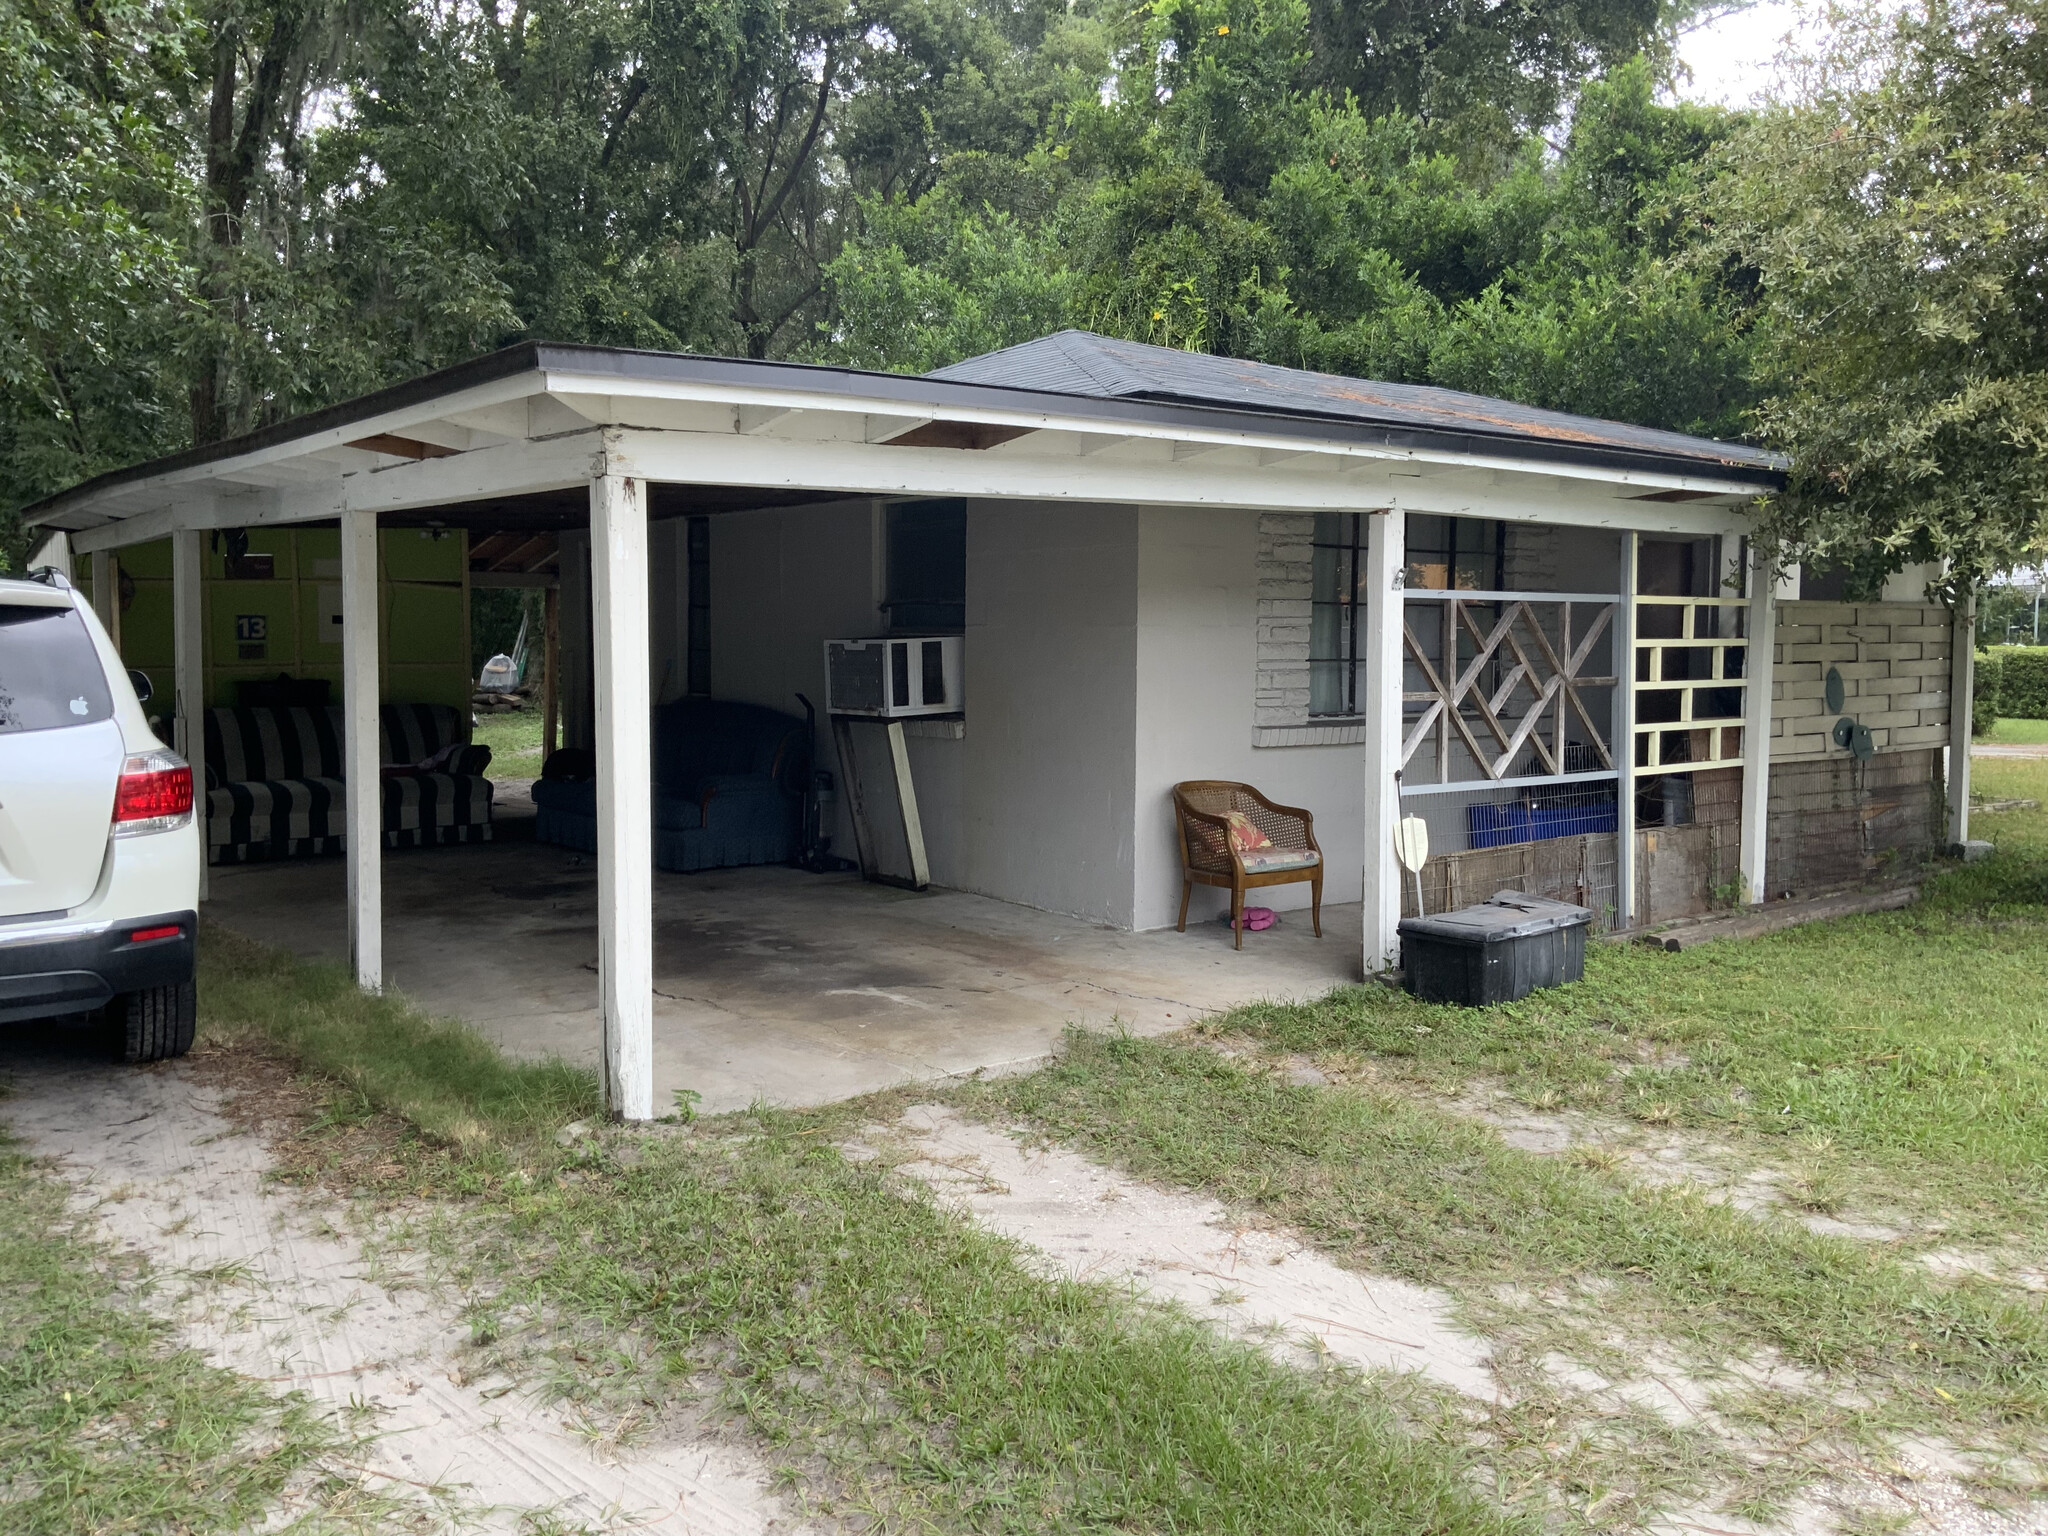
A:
(933, 281)
(92, 255)
(1894, 219)
(1481, 77)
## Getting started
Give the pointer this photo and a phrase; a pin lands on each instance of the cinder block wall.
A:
(1835, 820)
(1893, 658)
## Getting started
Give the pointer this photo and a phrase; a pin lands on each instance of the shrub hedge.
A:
(1984, 696)
(2023, 682)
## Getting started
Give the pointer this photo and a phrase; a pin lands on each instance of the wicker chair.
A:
(1204, 807)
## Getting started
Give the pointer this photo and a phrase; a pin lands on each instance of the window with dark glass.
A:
(1456, 554)
(927, 567)
(50, 673)
(1336, 630)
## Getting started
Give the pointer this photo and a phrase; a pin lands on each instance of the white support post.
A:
(1758, 685)
(106, 593)
(625, 793)
(1625, 740)
(188, 670)
(360, 694)
(53, 553)
(1962, 692)
(1385, 559)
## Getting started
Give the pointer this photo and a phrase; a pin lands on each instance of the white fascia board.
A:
(1547, 499)
(503, 469)
(161, 487)
(758, 402)
(881, 470)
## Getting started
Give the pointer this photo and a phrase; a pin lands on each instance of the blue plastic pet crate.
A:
(1496, 824)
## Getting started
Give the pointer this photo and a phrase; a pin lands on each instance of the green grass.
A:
(1913, 1045)
(906, 1364)
(2012, 778)
(105, 1426)
(897, 1358)
(515, 742)
(2012, 732)
(440, 1075)
(1400, 1186)
(861, 1328)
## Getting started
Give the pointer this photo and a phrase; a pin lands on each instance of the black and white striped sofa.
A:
(274, 783)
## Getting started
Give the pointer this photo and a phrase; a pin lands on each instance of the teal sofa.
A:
(729, 783)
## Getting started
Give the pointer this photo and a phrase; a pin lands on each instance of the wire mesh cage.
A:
(1556, 840)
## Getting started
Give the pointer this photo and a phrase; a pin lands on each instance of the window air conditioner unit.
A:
(895, 678)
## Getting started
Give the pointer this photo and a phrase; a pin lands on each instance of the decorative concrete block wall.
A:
(1286, 592)
(1894, 661)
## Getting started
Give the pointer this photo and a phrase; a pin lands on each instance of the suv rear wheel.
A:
(155, 1024)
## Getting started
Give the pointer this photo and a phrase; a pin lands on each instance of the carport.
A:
(774, 984)
(1130, 623)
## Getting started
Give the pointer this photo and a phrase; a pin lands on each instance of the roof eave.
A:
(547, 358)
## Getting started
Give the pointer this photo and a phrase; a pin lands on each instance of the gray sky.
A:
(1732, 60)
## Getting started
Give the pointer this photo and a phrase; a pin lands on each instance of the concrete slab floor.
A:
(771, 983)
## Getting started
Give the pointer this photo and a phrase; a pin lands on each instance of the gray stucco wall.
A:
(1031, 801)
(1198, 687)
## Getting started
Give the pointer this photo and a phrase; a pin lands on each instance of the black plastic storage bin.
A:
(1502, 949)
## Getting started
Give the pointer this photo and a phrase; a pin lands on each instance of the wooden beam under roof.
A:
(402, 447)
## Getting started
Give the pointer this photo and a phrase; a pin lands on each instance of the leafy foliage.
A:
(1985, 681)
(90, 254)
(1171, 213)
(223, 212)
(1894, 221)
(2022, 672)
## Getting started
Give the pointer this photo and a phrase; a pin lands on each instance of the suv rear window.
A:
(49, 671)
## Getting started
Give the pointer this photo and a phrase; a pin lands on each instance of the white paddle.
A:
(1411, 847)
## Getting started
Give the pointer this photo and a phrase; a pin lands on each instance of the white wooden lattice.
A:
(1709, 628)
(1526, 700)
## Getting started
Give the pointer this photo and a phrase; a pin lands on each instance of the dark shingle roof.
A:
(1082, 363)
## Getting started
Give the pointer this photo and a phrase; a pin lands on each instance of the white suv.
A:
(99, 850)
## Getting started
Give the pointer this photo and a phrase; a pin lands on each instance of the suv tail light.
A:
(154, 795)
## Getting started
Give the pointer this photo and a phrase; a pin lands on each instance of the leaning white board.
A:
(1411, 847)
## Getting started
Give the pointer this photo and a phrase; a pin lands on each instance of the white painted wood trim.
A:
(906, 800)
(784, 401)
(361, 693)
(706, 458)
(502, 469)
(54, 553)
(1625, 740)
(625, 793)
(1962, 691)
(1446, 594)
(1385, 561)
(1758, 666)
(188, 673)
(1494, 786)
(1502, 489)
(518, 388)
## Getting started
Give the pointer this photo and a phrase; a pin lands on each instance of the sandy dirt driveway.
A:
(268, 1282)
